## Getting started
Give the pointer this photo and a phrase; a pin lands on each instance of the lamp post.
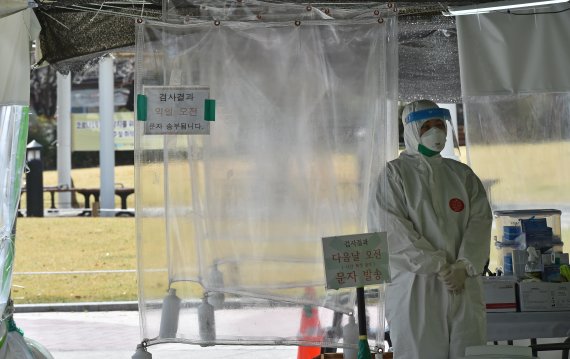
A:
(34, 180)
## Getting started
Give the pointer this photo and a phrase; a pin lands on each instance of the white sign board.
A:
(356, 260)
(176, 110)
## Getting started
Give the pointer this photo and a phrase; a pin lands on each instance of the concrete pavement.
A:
(83, 331)
(115, 334)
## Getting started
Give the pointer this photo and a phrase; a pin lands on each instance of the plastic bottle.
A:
(350, 337)
(170, 314)
(217, 281)
(533, 267)
(206, 322)
(508, 263)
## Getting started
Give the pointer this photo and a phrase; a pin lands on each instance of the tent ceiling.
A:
(77, 32)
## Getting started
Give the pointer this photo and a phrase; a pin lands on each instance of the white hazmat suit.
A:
(438, 217)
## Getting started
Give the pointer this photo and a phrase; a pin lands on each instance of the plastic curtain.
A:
(522, 52)
(17, 30)
(516, 96)
(518, 146)
(234, 219)
(13, 136)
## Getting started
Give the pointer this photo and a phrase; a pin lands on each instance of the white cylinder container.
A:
(170, 314)
(206, 322)
(350, 337)
(216, 298)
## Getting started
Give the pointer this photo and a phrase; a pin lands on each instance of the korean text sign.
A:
(356, 260)
(176, 110)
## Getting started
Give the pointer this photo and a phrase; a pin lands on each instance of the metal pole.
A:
(64, 138)
(106, 136)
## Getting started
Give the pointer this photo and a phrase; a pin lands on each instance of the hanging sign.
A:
(85, 131)
(177, 110)
(356, 260)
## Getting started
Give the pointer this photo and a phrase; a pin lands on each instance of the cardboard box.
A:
(543, 296)
(500, 294)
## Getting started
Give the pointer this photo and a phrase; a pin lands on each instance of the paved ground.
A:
(110, 335)
(115, 334)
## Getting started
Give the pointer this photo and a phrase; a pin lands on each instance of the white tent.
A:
(9, 7)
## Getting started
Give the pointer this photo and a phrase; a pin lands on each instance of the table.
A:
(531, 325)
(87, 192)
(525, 325)
(122, 192)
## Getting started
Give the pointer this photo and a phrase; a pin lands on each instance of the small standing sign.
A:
(356, 260)
(176, 110)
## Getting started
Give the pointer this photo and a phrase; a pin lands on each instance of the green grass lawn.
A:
(74, 244)
(83, 244)
(62, 244)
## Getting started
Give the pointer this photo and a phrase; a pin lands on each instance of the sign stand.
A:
(363, 348)
(355, 261)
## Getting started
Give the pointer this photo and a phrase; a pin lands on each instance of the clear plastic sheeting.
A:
(519, 146)
(229, 225)
(17, 31)
(516, 94)
(522, 51)
(272, 10)
(13, 344)
(13, 135)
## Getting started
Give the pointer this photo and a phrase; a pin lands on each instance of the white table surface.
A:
(526, 325)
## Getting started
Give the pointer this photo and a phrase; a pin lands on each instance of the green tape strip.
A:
(20, 155)
(209, 110)
(12, 327)
(3, 339)
(141, 107)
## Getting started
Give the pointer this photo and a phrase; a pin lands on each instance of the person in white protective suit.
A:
(439, 228)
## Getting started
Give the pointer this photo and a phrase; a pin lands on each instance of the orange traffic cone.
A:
(310, 329)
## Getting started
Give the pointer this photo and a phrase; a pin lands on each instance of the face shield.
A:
(433, 128)
(429, 114)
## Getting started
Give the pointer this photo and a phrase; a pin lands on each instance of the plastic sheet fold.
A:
(13, 136)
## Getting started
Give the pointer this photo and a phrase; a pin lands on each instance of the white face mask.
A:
(434, 139)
